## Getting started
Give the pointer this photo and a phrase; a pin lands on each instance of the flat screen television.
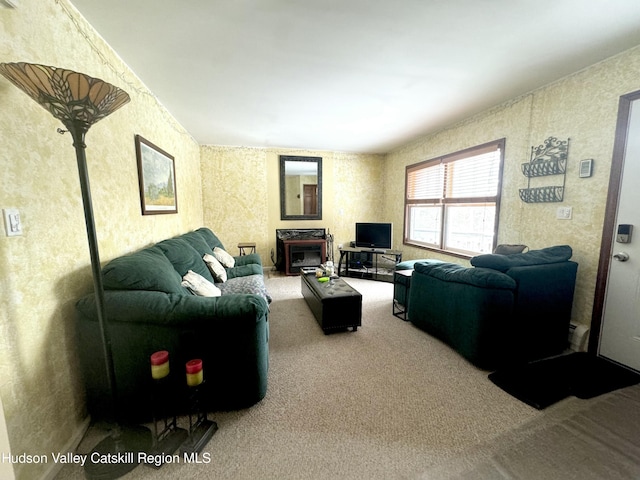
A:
(373, 235)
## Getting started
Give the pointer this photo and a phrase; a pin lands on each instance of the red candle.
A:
(160, 364)
(194, 372)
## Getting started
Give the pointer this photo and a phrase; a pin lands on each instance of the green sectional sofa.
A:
(503, 309)
(148, 310)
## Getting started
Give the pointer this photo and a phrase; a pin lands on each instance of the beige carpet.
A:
(385, 402)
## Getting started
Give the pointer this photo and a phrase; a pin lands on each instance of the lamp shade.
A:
(72, 97)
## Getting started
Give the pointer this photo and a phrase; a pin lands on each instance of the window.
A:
(452, 202)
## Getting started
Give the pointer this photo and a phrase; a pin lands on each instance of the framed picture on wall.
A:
(157, 178)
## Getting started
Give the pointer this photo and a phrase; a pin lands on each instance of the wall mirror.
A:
(300, 188)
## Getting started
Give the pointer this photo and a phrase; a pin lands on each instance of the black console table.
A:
(375, 264)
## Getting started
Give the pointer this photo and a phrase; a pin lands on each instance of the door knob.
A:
(621, 256)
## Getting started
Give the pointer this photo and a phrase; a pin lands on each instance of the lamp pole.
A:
(78, 101)
(78, 131)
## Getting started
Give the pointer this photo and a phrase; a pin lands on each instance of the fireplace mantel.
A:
(300, 247)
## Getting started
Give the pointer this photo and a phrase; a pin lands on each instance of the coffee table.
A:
(335, 304)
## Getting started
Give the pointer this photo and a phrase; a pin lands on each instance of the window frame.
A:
(443, 201)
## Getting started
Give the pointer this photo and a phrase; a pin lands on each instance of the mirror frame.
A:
(290, 158)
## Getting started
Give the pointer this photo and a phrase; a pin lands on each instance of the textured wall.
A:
(234, 195)
(582, 107)
(352, 189)
(47, 269)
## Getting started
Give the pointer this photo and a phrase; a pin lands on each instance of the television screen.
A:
(373, 235)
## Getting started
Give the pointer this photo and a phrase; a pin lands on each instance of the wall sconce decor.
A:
(548, 159)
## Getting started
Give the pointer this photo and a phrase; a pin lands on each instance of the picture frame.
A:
(157, 179)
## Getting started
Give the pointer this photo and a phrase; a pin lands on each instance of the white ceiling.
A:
(351, 75)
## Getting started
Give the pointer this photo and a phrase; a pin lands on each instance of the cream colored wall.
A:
(352, 189)
(47, 269)
(582, 107)
(237, 195)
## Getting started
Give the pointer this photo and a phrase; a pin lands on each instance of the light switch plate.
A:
(9, 3)
(564, 213)
(12, 222)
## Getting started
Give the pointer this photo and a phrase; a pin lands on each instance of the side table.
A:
(401, 289)
(250, 246)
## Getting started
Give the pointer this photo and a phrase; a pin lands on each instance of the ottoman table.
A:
(335, 304)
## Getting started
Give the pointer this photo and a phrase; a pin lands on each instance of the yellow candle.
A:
(160, 365)
(194, 373)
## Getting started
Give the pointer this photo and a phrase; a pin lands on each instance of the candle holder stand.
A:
(166, 435)
(201, 429)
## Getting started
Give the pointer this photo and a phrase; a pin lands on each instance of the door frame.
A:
(606, 244)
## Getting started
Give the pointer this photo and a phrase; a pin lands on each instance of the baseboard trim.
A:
(71, 446)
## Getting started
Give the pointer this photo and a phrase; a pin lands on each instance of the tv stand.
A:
(373, 263)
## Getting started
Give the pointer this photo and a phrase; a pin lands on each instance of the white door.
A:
(620, 333)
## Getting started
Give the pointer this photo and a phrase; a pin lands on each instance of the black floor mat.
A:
(545, 382)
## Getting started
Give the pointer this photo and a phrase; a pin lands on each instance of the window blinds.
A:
(426, 182)
(455, 177)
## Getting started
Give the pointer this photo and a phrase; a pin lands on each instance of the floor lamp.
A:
(79, 101)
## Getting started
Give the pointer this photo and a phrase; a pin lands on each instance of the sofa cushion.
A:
(197, 241)
(147, 269)
(502, 263)
(184, 257)
(212, 240)
(479, 277)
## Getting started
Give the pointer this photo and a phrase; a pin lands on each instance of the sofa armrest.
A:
(252, 258)
(244, 270)
(230, 334)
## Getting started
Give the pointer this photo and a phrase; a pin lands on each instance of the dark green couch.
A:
(505, 308)
(147, 310)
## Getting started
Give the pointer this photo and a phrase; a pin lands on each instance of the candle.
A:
(194, 372)
(160, 364)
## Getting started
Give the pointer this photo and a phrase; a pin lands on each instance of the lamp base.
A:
(117, 454)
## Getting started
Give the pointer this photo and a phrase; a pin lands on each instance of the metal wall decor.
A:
(547, 159)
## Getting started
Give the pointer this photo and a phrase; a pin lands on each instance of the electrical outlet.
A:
(564, 213)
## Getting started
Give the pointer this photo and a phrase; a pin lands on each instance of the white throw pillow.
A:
(224, 258)
(199, 285)
(216, 268)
